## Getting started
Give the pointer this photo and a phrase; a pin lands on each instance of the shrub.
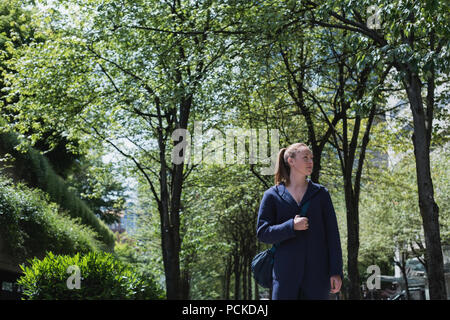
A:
(36, 171)
(102, 278)
(30, 225)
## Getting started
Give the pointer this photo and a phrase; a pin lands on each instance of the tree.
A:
(100, 185)
(358, 99)
(16, 30)
(390, 217)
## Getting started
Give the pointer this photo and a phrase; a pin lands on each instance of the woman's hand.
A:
(336, 283)
(300, 223)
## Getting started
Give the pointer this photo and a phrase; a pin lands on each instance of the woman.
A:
(308, 258)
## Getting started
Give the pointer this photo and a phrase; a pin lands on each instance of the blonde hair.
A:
(282, 169)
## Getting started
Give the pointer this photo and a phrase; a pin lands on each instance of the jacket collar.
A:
(311, 190)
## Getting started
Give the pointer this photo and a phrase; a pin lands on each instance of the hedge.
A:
(30, 225)
(36, 171)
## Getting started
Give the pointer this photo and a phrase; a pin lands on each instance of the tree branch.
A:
(101, 137)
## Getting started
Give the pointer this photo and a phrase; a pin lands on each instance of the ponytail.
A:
(282, 169)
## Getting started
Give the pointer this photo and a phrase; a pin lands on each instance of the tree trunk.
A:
(244, 278)
(428, 207)
(402, 265)
(249, 280)
(352, 243)
(237, 275)
(317, 154)
(270, 292)
(185, 284)
(256, 290)
(171, 253)
(171, 259)
(227, 279)
(169, 230)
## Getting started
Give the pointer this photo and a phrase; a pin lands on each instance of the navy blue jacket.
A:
(305, 259)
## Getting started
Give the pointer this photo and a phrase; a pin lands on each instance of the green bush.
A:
(102, 277)
(33, 168)
(31, 225)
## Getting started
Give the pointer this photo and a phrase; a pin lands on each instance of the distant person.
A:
(308, 260)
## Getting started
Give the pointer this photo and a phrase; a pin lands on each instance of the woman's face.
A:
(303, 162)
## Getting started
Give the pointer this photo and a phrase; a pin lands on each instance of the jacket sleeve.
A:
(333, 238)
(267, 230)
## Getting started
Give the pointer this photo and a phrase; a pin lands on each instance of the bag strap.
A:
(304, 208)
